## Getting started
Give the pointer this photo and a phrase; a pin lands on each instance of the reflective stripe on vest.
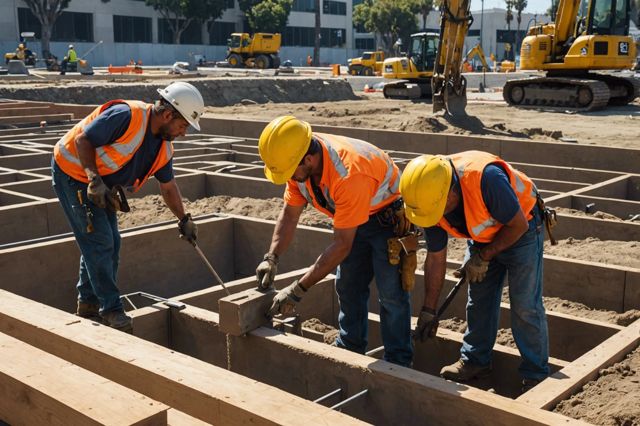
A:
(385, 188)
(469, 167)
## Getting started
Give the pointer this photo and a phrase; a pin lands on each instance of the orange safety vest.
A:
(469, 166)
(112, 157)
(343, 155)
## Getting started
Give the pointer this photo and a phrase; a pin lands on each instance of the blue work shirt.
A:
(108, 127)
(498, 196)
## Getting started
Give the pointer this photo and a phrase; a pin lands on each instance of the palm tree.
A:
(509, 18)
(519, 6)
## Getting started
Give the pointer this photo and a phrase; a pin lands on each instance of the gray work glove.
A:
(285, 300)
(427, 325)
(475, 269)
(188, 229)
(98, 192)
(266, 271)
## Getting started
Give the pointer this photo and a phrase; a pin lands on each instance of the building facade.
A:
(129, 29)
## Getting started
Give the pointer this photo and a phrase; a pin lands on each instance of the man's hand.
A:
(188, 229)
(427, 325)
(266, 271)
(475, 269)
(97, 191)
(285, 300)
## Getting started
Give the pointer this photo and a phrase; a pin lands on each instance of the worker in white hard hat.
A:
(480, 197)
(119, 146)
(69, 61)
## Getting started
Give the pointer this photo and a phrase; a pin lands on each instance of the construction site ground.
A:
(598, 247)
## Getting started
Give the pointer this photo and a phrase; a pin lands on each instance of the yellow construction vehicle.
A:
(448, 85)
(586, 36)
(257, 51)
(477, 51)
(413, 70)
(368, 64)
(23, 53)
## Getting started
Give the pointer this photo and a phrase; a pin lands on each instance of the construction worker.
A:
(121, 143)
(356, 184)
(20, 52)
(478, 196)
(70, 59)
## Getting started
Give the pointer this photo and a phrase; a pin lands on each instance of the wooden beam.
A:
(209, 393)
(39, 388)
(564, 383)
(26, 119)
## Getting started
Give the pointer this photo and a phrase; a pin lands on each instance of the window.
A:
(131, 29)
(470, 33)
(191, 35)
(70, 26)
(220, 32)
(330, 7)
(73, 26)
(365, 43)
(303, 6)
(304, 36)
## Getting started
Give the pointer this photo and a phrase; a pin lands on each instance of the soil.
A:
(330, 332)
(611, 399)
(488, 115)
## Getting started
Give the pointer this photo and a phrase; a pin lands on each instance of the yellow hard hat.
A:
(21, 46)
(425, 186)
(282, 145)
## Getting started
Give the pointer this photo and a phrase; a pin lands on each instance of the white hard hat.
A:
(186, 99)
(71, 46)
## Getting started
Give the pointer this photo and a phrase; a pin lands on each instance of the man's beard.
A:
(307, 174)
(164, 133)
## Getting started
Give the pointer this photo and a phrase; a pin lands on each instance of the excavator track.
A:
(565, 93)
(407, 89)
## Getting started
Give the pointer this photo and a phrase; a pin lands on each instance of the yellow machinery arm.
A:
(448, 85)
(477, 50)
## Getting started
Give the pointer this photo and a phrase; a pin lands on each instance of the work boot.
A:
(89, 311)
(118, 320)
(528, 384)
(462, 372)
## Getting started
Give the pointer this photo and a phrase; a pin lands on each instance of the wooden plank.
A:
(209, 393)
(39, 388)
(20, 119)
(178, 418)
(564, 383)
(244, 311)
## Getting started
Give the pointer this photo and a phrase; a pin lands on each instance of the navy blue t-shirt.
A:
(108, 127)
(498, 196)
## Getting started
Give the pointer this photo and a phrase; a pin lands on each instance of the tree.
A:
(47, 12)
(181, 13)
(551, 11)
(424, 8)
(509, 18)
(388, 19)
(317, 35)
(519, 6)
(269, 16)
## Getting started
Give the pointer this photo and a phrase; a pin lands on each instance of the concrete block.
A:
(459, 143)
(632, 290)
(17, 67)
(245, 311)
(39, 388)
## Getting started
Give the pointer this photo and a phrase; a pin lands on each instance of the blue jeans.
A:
(523, 263)
(100, 249)
(368, 257)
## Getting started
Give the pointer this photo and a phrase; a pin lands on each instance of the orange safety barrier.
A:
(127, 69)
(335, 69)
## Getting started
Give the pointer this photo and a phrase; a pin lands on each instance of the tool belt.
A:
(549, 218)
(401, 249)
(117, 201)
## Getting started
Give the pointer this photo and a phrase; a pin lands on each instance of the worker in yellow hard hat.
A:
(356, 184)
(478, 196)
(20, 52)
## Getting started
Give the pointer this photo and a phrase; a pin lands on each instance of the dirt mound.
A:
(621, 253)
(330, 334)
(504, 338)
(151, 209)
(597, 214)
(611, 399)
(556, 304)
(216, 92)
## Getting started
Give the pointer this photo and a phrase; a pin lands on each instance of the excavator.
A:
(477, 51)
(587, 36)
(433, 66)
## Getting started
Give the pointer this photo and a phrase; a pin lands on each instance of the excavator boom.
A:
(448, 85)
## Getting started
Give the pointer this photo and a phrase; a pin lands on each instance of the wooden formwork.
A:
(196, 384)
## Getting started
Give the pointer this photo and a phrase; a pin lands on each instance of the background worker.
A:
(478, 196)
(120, 143)
(21, 52)
(356, 184)
(71, 58)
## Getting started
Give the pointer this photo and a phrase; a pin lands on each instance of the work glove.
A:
(98, 192)
(188, 229)
(475, 269)
(266, 271)
(285, 300)
(427, 325)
